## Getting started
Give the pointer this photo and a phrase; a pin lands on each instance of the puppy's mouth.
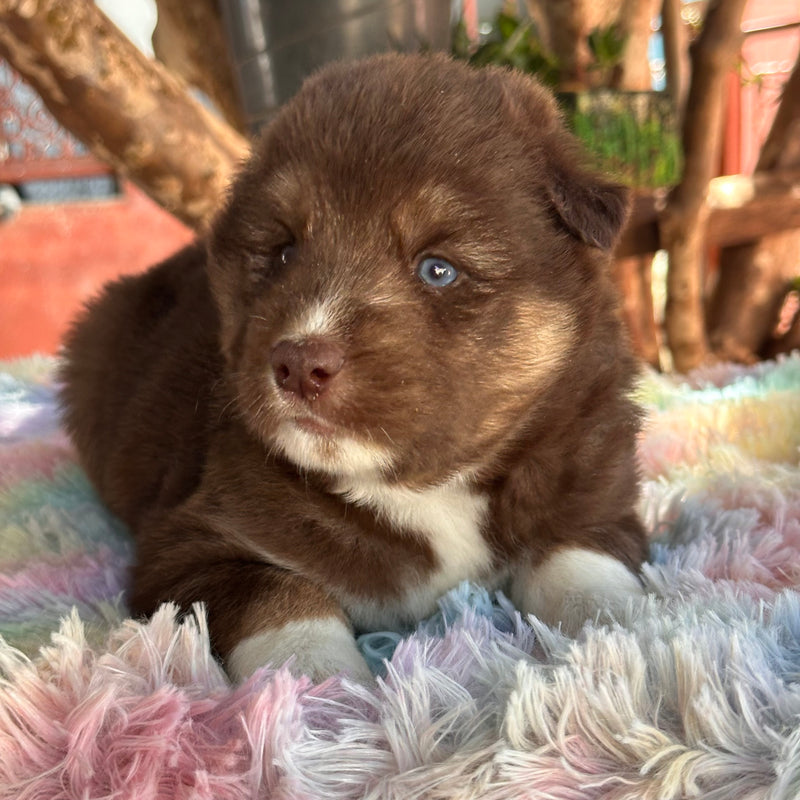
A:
(315, 426)
(312, 443)
(305, 411)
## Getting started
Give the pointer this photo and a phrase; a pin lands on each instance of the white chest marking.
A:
(448, 517)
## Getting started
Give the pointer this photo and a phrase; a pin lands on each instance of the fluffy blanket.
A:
(694, 693)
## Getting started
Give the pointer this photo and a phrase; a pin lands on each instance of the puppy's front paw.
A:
(318, 648)
(574, 585)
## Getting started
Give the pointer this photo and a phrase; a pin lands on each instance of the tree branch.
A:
(189, 40)
(683, 221)
(755, 275)
(129, 111)
(674, 32)
(781, 148)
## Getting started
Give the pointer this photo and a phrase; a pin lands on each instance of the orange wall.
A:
(768, 58)
(53, 258)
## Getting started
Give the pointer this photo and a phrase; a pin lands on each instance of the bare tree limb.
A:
(781, 148)
(633, 20)
(786, 343)
(634, 279)
(129, 111)
(683, 221)
(675, 38)
(564, 26)
(760, 205)
(189, 40)
(755, 276)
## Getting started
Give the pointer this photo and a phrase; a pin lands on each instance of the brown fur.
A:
(515, 375)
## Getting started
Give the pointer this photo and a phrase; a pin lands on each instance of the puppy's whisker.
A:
(225, 408)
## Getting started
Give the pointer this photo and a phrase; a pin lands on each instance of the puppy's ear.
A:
(589, 208)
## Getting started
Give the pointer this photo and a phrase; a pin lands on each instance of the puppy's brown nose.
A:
(306, 368)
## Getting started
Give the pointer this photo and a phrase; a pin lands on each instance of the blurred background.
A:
(121, 122)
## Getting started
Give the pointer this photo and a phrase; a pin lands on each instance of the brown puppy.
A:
(396, 366)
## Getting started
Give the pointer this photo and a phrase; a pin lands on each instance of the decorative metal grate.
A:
(37, 155)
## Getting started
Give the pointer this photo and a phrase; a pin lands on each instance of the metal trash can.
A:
(277, 43)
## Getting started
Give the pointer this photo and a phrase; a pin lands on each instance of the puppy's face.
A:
(401, 268)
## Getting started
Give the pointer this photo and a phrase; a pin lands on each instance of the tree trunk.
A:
(633, 277)
(563, 28)
(744, 209)
(685, 216)
(189, 40)
(785, 343)
(675, 35)
(781, 148)
(129, 111)
(633, 18)
(565, 25)
(753, 281)
(754, 277)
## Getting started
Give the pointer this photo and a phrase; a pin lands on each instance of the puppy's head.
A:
(403, 267)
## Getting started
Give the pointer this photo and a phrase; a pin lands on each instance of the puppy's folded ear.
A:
(589, 208)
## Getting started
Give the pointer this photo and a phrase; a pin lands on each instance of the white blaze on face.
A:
(318, 320)
(311, 446)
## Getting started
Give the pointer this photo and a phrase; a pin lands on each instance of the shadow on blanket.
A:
(695, 695)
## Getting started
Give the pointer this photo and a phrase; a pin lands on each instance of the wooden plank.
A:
(641, 235)
(744, 208)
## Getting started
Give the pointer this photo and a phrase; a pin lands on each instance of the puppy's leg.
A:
(258, 614)
(315, 646)
(573, 585)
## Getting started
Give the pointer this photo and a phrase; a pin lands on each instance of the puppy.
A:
(396, 364)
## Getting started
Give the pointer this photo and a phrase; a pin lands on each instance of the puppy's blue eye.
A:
(437, 272)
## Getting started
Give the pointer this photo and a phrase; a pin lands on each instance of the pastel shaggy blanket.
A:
(694, 693)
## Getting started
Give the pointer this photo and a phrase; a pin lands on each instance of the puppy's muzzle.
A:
(306, 369)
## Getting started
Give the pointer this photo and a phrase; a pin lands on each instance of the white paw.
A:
(574, 585)
(318, 648)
